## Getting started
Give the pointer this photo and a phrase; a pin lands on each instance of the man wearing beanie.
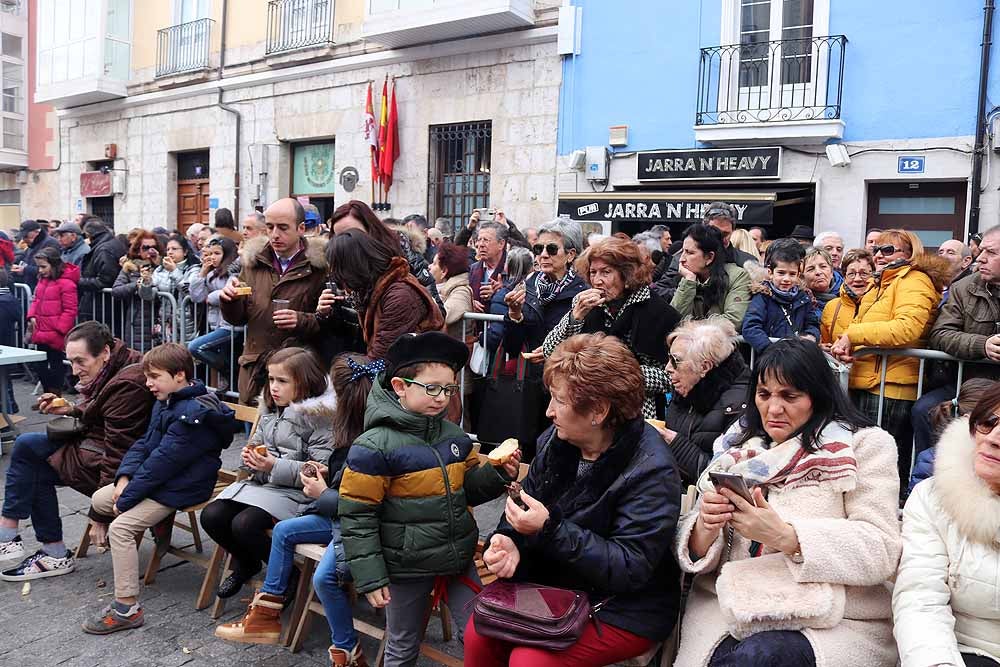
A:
(36, 238)
(407, 489)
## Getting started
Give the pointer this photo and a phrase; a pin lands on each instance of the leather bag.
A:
(532, 615)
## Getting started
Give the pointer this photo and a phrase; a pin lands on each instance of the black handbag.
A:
(510, 405)
(64, 429)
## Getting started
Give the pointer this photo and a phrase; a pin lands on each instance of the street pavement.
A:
(42, 628)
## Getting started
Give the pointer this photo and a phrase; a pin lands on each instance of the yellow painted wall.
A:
(350, 11)
(247, 23)
(148, 16)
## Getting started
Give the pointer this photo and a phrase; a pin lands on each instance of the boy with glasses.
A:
(406, 492)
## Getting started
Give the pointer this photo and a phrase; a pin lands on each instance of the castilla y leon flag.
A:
(383, 122)
(371, 134)
(390, 149)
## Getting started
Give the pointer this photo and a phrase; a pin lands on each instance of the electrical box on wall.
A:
(597, 163)
(618, 135)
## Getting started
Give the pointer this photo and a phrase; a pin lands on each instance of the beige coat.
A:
(851, 539)
(457, 297)
(947, 595)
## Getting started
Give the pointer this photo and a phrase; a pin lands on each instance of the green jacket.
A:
(406, 494)
(689, 303)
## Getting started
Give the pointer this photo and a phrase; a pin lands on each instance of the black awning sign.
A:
(713, 163)
(659, 210)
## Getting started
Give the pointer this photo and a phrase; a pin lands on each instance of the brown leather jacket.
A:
(969, 316)
(301, 285)
(399, 304)
(115, 414)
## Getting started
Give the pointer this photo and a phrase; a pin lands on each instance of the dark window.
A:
(191, 166)
(459, 171)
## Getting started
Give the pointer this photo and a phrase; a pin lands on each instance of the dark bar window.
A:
(460, 157)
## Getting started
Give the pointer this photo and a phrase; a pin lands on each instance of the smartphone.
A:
(734, 483)
(486, 214)
(514, 492)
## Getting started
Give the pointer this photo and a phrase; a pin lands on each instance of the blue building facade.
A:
(895, 84)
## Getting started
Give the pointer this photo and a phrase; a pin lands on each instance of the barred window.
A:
(460, 156)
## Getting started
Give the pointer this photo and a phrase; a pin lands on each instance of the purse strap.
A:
(497, 363)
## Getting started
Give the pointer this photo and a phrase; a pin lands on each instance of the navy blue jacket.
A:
(923, 468)
(766, 319)
(539, 319)
(610, 531)
(177, 461)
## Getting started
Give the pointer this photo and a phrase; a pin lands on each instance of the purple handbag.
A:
(532, 615)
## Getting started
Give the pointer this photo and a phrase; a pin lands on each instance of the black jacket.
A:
(98, 271)
(610, 532)
(645, 326)
(539, 319)
(705, 413)
(666, 284)
(43, 240)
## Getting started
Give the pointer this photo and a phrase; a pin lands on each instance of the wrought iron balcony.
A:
(295, 24)
(768, 82)
(183, 48)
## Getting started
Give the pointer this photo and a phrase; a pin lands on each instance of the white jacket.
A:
(947, 595)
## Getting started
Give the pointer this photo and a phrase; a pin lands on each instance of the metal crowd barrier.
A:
(22, 293)
(190, 324)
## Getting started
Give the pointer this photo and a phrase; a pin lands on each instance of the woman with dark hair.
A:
(389, 300)
(795, 572)
(215, 348)
(602, 499)
(709, 285)
(358, 215)
(51, 316)
(139, 315)
(173, 274)
(520, 264)
(450, 269)
(946, 598)
(619, 303)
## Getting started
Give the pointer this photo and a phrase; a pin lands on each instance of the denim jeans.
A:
(213, 348)
(329, 582)
(287, 534)
(30, 490)
(774, 648)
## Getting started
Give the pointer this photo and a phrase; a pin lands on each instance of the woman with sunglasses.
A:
(896, 312)
(858, 267)
(794, 572)
(140, 316)
(946, 600)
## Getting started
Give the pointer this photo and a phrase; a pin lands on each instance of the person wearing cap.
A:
(407, 489)
(36, 238)
(314, 228)
(74, 247)
(98, 271)
(803, 234)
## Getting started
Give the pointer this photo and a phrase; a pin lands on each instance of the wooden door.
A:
(934, 211)
(192, 203)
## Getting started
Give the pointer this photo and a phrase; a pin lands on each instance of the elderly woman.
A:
(896, 312)
(603, 499)
(620, 303)
(946, 601)
(710, 382)
(796, 575)
(520, 264)
(858, 268)
(709, 285)
(820, 278)
(450, 269)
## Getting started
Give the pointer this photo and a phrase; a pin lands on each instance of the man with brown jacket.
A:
(286, 274)
(967, 327)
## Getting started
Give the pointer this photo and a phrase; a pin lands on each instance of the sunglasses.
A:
(886, 250)
(434, 390)
(674, 360)
(149, 247)
(551, 248)
(987, 425)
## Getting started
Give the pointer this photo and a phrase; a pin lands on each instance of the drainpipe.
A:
(979, 151)
(235, 112)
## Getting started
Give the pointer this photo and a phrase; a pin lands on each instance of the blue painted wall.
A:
(912, 69)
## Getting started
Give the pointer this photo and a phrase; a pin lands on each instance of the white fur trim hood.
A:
(967, 499)
(315, 251)
(318, 410)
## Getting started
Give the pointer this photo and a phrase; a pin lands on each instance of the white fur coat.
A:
(947, 595)
(850, 539)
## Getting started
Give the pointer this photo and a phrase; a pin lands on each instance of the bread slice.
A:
(260, 450)
(501, 454)
(58, 402)
(657, 423)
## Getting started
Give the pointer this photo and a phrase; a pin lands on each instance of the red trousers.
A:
(591, 650)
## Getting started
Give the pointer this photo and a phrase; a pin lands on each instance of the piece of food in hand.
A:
(58, 402)
(501, 454)
(260, 450)
(309, 470)
(514, 492)
(657, 423)
(242, 289)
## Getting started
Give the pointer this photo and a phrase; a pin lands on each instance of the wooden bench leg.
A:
(445, 613)
(220, 604)
(195, 532)
(161, 545)
(84, 546)
(303, 595)
(211, 580)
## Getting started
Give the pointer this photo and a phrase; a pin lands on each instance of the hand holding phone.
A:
(735, 483)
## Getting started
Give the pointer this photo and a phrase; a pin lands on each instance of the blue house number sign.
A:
(911, 164)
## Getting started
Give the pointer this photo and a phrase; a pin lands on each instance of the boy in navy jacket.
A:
(781, 308)
(174, 465)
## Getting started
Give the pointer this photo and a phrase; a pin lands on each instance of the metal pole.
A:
(980, 149)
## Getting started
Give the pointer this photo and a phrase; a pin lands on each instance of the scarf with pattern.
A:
(547, 290)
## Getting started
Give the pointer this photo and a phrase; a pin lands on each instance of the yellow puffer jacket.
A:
(838, 315)
(897, 311)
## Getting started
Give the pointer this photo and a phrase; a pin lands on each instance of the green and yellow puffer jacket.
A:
(406, 494)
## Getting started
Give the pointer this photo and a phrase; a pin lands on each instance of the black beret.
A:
(429, 347)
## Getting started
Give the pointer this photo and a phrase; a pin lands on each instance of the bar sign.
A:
(911, 164)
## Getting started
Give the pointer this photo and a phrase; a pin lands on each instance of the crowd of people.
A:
(637, 366)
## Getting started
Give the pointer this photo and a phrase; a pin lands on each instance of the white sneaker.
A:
(40, 565)
(12, 550)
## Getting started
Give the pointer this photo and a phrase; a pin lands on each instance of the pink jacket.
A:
(54, 308)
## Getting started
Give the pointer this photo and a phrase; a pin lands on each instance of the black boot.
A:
(232, 584)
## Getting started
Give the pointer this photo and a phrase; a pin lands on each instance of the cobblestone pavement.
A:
(43, 627)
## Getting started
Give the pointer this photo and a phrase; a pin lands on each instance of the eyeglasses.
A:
(858, 274)
(674, 360)
(551, 248)
(434, 390)
(987, 425)
(149, 247)
(886, 250)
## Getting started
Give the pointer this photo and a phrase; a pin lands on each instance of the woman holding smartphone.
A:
(798, 579)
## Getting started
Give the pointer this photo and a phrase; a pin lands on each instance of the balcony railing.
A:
(766, 82)
(183, 48)
(295, 24)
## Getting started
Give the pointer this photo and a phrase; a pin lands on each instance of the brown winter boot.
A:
(341, 658)
(261, 625)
